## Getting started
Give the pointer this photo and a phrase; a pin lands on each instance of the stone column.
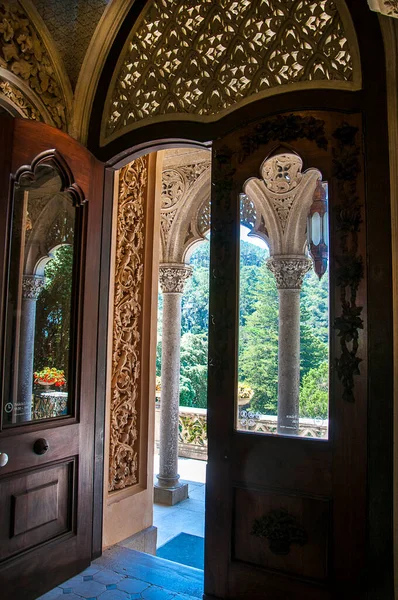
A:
(168, 490)
(289, 273)
(31, 288)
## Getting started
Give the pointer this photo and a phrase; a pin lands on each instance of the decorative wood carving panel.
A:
(126, 357)
(280, 531)
(22, 52)
(203, 58)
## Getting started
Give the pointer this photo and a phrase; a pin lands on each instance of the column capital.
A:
(385, 7)
(172, 277)
(289, 271)
(32, 286)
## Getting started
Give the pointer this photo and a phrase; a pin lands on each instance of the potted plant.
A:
(50, 376)
(245, 393)
(158, 386)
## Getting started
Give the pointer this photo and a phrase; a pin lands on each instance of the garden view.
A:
(258, 336)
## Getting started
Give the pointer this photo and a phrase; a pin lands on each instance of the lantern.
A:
(318, 229)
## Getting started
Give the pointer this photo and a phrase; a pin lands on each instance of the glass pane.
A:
(39, 302)
(284, 305)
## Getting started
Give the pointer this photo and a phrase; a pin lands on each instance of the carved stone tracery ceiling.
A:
(23, 53)
(126, 356)
(202, 58)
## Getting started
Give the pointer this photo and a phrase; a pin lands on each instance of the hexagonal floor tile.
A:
(89, 589)
(132, 586)
(114, 595)
(157, 593)
(107, 577)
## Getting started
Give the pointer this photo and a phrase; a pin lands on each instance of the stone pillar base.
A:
(170, 496)
(143, 541)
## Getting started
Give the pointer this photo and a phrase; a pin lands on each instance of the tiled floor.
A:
(187, 516)
(124, 574)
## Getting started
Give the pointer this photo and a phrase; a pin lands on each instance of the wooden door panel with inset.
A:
(37, 507)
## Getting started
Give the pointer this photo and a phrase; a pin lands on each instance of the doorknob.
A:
(3, 459)
(40, 446)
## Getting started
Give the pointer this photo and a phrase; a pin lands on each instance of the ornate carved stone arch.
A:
(186, 185)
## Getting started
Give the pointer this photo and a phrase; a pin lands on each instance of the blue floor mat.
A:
(185, 549)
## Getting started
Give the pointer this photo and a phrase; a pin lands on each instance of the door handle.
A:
(40, 446)
(3, 459)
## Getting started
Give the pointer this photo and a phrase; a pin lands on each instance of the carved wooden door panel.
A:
(287, 515)
(50, 224)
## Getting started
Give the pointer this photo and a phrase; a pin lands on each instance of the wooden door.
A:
(322, 488)
(52, 204)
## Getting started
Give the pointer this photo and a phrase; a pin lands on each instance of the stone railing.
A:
(193, 429)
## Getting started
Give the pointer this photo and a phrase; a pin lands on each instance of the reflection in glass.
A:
(284, 314)
(39, 302)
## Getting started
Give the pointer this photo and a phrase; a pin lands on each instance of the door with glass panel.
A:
(49, 271)
(287, 361)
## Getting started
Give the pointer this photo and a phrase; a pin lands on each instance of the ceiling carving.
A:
(203, 58)
(24, 56)
(72, 24)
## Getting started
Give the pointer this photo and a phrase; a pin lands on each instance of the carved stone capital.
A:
(289, 271)
(32, 286)
(172, 278)
(385, 7)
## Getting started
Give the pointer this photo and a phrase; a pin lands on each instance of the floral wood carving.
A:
(281, 530)
(350, 268)
(204, 57)
(17, 98)
(126, 357)
(23, 53)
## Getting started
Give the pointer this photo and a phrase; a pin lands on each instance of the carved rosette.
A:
(126, 357)
(289, 271)
(32, 285)
(172, 278)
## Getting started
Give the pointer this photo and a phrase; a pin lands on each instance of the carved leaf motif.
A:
(23, 53)
(203, 57)
(126, 358)
(350, 268)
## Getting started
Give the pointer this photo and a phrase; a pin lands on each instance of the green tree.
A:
(53, 312)
(314, 392)
(193, 370)
(258, 345)
(258, 340)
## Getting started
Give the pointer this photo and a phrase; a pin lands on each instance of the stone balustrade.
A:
(192, 442)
